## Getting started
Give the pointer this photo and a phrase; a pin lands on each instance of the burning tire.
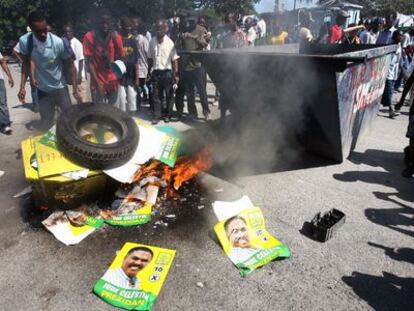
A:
(97, 136)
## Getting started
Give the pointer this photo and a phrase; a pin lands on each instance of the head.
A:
(375, 25)
(136, 23)
(396, 37)
(390, 20)
(341, 17)
(202, 21)
(230, 21)
(68, 32)
(192, 23)
(305, 19)
(162, 28)
(136, 260)
(104, 21)
(38, 25)
(237, 232)
(126, 26)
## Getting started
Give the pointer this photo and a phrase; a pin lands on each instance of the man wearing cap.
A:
(337, 33)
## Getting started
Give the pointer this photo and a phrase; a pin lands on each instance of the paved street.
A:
(368, 265)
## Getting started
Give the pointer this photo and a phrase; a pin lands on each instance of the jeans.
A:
(387, 96)
(109, 98)
(161, 92)
(191, 79)
(48, 101)
(4, 110)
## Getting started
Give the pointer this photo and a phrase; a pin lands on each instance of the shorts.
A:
(410, 130)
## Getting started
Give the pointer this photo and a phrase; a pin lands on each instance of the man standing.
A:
(102, 47)
(392, 75)
(163, 65)
(130, 80)
(4, 110)
(337, 33)
(143, 46)
(193, 39)
(385, 36)
(77, 49)
(46, 57)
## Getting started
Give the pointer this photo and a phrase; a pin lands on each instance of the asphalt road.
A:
(368, 265)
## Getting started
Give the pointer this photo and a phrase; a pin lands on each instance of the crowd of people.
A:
(156, 76)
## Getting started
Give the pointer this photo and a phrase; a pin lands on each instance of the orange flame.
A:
(185, 169)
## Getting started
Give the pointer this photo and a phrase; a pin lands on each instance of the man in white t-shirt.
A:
(77, 49)
(163, 65)
(251, 31)
(143, 46)
(4, 110)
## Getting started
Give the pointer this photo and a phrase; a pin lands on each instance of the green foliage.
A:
(79, 13)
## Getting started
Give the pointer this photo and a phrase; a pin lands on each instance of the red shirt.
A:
(336, 34)
(101, 64)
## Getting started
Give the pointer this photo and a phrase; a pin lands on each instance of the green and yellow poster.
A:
(135, 277)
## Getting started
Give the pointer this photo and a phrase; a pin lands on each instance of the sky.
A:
(265, 6)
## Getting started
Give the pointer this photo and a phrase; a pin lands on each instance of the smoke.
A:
(270, 89)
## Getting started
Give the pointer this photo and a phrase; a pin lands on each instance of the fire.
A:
(185, 169)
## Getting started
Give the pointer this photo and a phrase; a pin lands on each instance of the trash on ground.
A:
(323, 227)
(127, 213)
(71, 227)
(135, 277)
(200, 284)
(24, 192)
(242, 234)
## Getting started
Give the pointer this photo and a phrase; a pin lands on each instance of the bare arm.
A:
(23, 78)
(94, 78)
(350, 29)
(74, 79)
(81, 66)
(7, 71)
(175, 71)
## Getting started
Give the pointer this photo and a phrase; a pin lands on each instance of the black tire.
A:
(94, 155)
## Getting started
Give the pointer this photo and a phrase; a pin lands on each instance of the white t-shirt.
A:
(162, 54)
(251, 35)
(261, 25)
(1, 71)
(305, 35)
(367, 37)
(394, 69)
(143, 45)
(118, 278)
(77, 48)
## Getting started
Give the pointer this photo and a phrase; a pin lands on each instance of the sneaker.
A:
(155, 121)
(397, 112)
(166, 119)
(7, 130)
(207, 116)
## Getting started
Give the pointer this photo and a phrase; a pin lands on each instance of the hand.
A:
(176, 79)
(101, 89)
(136, 82)
(22, 95)
(77, 96)
(11, 82)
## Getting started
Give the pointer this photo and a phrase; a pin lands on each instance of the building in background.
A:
(289, 5)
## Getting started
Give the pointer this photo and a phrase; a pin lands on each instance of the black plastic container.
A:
(323, 227)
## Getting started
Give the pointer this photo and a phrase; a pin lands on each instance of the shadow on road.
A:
(398, 254)
(392, 163)
(383, 293)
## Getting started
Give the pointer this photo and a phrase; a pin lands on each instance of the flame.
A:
(185, 169)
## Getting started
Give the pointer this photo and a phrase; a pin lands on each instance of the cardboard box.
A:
(55, 190)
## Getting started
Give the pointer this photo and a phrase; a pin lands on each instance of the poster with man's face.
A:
(135, 277)
(246, 241)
